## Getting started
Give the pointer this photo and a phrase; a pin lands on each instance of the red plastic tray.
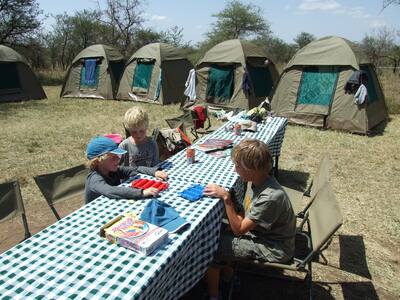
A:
(144, 183)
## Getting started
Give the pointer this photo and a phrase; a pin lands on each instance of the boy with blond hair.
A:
(106, 174)
(265, 229)
(140, 149)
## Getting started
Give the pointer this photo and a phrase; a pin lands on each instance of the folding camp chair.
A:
(190, 120)
(296, 197)
(11, 204)
(323, 219)
(201, 121)
(62, 185)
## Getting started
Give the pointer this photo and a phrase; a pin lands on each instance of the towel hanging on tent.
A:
(190, 85)
(361, 95)
(90, 71)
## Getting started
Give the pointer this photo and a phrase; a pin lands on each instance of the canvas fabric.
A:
(18, 82)
(328, 51)
(106, 85)
(62, 185)
(238, 55)
(11, 204)
(169, 64)
(342, 113)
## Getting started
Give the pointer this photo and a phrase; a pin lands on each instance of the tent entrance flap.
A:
(372, 95)
(89, 74)
(316, 90)
(142, 76)
(9, 79)
(220, 84)
(262, 81)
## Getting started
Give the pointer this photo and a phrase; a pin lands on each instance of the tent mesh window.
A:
(220, 83)
(90, 74)
(372, 95)
(9, 78)
(142, 76)
(317, 86)
(262, 81)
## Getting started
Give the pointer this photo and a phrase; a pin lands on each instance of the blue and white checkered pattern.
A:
(69, 259)
(209, 169)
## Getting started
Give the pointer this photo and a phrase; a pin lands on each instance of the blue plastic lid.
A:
(193, 193)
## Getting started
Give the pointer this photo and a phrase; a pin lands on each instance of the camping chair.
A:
(296, 197)
(323, 219)
(62, 185)
(11, 204)
(190, 119)
(201, 121)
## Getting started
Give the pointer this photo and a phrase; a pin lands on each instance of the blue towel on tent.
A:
(90, 71)
(158, 89)
(246, 82)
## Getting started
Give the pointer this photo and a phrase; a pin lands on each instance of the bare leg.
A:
(212, 278)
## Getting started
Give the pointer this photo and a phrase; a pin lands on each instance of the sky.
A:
(349, 19)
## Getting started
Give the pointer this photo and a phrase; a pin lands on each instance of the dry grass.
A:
(47, 135)
(391, 86)
(43, 136)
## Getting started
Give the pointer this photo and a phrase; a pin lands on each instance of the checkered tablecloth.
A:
(220, 170)
(69, 260)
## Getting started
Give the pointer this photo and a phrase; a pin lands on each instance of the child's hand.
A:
(161, 175)
(217, 191)
(150, 192)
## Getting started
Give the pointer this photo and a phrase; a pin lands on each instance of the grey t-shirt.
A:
(271, 210)
(145, 154)
(97, 184)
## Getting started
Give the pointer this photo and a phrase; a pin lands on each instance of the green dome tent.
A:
(312, 88)
(221, 72)
(155, 73)
(94, 73)
(17, 81)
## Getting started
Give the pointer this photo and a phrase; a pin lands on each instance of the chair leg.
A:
(309, 281)
(54, 211)
(275, 166)
(27, 233)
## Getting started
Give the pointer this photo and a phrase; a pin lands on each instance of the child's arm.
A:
(99, 186)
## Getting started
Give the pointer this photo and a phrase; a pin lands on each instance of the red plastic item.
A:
(144, 184)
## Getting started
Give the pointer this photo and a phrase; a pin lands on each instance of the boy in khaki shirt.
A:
(265, 230)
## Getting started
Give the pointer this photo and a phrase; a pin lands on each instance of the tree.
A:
(125, 18)
(238, 20)
(18, 20)
(378, 45)
(145, 36)
(71, 34)
(277, 49)
(174, 36)
(303, 39)
(387, 3)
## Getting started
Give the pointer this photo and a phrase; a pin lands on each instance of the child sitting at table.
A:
(106, 174)
(265, 228)
(140, 149)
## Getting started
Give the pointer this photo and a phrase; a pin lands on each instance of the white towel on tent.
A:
(190, 85)
(361, 95)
